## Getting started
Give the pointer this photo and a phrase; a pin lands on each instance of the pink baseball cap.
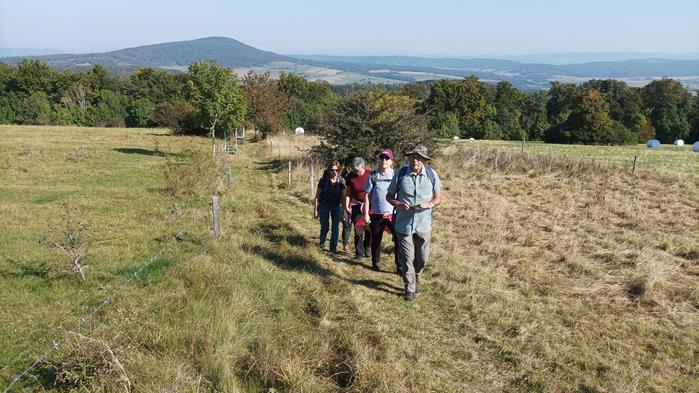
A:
(387, 152)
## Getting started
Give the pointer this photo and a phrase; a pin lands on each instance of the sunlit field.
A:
(553, 269)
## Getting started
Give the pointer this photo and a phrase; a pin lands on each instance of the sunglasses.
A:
(385, 158)
(334, 170)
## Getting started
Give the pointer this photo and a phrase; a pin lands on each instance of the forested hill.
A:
(371, 69)
(173, 55)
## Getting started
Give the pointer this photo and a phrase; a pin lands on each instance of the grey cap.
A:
(419, 149)
(357, 162)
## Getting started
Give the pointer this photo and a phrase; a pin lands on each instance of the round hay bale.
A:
(678, 142)
(695, 147)
(456, 138)
(299, 131)
(653, 144)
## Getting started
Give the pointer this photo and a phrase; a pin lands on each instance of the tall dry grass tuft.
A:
(296, 149)
(284, 147)
(509, 161)
(559, 259)
(194, 172)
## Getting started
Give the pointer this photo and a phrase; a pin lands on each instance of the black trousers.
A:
(378, 223)
(362, 245)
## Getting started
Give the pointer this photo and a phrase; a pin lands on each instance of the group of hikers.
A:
(380, 200)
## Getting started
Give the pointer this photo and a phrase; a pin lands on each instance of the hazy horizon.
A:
(442, 29)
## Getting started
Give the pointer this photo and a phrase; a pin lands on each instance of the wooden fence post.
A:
(229, 177)
(633, 170)
(290, 175)
(217, 216)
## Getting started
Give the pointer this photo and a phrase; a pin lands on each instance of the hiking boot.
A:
(375, 268)
(409, 295)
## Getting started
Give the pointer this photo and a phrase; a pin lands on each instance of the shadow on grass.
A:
(377, 285)
(128, 150)
(278, 232)
(292, 262)
(271, 165)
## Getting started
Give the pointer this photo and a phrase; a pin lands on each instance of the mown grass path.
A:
(544, 276)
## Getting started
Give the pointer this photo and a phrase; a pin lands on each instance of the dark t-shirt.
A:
(329, 192)
(356, 185)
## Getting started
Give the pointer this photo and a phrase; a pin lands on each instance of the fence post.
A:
(633, 170)
(217, 216)
(229, 177)
(312, 180)
(290, 175)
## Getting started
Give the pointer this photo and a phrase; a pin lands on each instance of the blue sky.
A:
(456, 28)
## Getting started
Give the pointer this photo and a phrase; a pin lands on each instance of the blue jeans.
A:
(328, 211)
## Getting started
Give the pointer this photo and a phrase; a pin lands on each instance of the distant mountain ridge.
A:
(371, 69)
(172, 55)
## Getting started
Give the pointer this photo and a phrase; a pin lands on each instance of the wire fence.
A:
(83, 320)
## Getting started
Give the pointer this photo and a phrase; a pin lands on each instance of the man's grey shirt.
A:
(414, 190)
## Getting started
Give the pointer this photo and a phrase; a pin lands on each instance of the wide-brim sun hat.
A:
(420, 150)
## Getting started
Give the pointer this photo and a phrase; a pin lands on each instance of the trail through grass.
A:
(540, 280)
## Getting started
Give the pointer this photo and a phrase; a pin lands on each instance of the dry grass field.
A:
(550, 273)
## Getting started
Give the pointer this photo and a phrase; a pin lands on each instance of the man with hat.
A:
(414, 191)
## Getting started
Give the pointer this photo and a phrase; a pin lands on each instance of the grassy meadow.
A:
(550, 272)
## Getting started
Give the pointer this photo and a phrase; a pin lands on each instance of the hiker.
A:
(414, 192)
(345, 219)
(354, 205)
(380, 212)
(330, 194)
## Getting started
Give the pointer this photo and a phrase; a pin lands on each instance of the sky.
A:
(360, 27)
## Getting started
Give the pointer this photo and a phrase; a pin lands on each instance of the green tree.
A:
(625, 104)
(367, 122)
(215, 93)
(469, 99)
(534, 119)
(670, 106)
(11, 108)
(110, 110)
(560, 102)
(36, 109)
(589, 122)
(140, 113)
(445, 125)
(508, 105)
(310, 103)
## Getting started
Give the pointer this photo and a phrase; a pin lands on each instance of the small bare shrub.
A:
(78, 154)
(88, 364)
(25, 150)
(8, 161)
(193, 172)
(70, 236)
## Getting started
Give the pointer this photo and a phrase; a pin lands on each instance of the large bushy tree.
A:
(670, 106)
(216, 95)
(366, 122)
(266, 104)
(310, 103)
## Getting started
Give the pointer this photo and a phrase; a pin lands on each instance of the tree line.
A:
(209, 98)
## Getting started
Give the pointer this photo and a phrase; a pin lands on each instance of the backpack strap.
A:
(404, 170)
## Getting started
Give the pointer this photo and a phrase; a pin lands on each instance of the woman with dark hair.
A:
(327, 205)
